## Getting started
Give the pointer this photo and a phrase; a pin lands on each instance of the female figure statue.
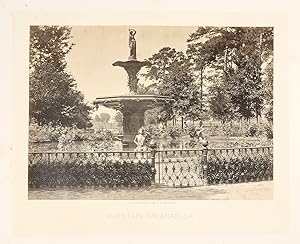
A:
(132, 44)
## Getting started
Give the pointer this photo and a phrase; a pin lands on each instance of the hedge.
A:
(239, 170)
(104, 174)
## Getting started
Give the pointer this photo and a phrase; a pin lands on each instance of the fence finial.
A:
(205, 150)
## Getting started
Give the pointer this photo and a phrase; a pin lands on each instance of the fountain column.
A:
(133, 120)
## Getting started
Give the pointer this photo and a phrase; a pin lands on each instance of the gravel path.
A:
(243, 191)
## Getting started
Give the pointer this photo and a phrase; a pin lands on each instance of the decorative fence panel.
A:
(179, 168)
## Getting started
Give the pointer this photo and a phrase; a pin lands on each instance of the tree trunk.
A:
(201, 89)
(240, 119)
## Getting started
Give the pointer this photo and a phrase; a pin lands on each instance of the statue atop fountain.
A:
(132, 66)
(132, 106)
(132, 45)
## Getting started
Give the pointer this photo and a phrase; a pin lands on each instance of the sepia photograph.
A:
(150, 112)
(141, 122)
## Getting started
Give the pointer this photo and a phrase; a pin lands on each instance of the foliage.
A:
(107, 173)
(152, 116)
(119, 118)
(49, 44)
(69, 138)
(268, 88)
(43, 133)
(253, 130)
(53, 97)
(233, 57)
(242, 168)
(263, 129)
(174, 132)
(172, 76)
(220, 104)
(100, 140)
(154, 130)
(268, 130)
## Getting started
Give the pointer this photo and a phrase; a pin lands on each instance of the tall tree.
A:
(172, 74)
(238, 52)
(54, 97)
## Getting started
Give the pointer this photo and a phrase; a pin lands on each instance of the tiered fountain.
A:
(132, 106)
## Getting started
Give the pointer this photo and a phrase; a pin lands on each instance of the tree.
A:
(104, 117)
(268, 88)
(172, 76)
(238, 52)
(200, 55)
(49, 44)
(53, 95)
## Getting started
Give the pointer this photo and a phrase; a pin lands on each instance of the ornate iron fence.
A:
(180, 168)
(168, 168)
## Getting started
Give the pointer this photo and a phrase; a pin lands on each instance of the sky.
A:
(97, 47)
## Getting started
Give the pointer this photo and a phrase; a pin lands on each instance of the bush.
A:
(214, 130)
(252, 130)
(69, 138)
(229, 129)
(44, 133)
(100, 174)
(239, 169)
(174, 132)
(267, 130)
(237, 129)
(240, 142)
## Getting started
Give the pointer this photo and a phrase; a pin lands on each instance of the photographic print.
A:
(150, 112)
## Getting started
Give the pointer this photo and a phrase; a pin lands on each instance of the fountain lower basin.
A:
(133, 108)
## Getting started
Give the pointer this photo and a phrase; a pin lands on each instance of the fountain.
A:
(132, 106)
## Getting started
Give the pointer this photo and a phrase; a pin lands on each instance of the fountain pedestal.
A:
(133, 108)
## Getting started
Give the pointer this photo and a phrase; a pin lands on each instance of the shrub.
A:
(267, 130)
(43, 133)
(240, 142)
(214, 130)
(100, 140)
(69, 138)
(100, 174)
(252, 130)
(237, 129)
(174, 132)
(239, 169)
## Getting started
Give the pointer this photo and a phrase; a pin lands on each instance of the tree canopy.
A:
(54, 97)
(172, 75)
(236, 56)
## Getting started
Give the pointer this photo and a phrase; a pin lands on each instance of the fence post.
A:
(204, 161)
(152, 146)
